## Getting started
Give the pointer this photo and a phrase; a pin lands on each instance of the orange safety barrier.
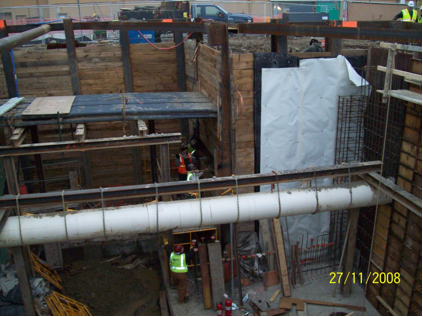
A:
(349, 24)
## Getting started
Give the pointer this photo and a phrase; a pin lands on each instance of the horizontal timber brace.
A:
(396, 192)
(94, 144)
(358, 33)
(121, 26)
(391, 31)
(137, 191)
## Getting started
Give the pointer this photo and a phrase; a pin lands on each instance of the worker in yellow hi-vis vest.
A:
(420, 17)
(178, 270)
(407, 15)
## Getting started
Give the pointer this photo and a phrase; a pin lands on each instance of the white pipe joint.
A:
(184, 214)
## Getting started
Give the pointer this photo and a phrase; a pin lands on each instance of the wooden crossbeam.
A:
(406, 75)
(80, 132)
(142, 127)
(18, 136)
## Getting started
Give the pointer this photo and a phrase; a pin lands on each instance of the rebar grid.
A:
(360, 137)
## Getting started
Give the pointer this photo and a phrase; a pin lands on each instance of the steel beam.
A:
(396, 192)
(12, 41)
(381, 34)
(103, 119)
(94, 144)
(126, 192)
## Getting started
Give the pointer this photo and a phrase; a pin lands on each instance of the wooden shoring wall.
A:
(108, 167)
(203, 74)
(398, 239)
(43, 72)
(242, 88)
(46, 72)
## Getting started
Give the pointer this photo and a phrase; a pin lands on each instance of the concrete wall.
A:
(373, 12)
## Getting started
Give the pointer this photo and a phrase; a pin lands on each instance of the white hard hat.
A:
(411, 4)
(420, 7)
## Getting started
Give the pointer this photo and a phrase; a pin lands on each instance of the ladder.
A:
(416, 79)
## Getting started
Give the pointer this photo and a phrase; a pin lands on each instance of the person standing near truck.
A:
(407, 15)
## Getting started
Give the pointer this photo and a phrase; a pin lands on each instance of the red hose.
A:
(164, 48)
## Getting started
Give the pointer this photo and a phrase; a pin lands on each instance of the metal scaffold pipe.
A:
(12, 41)
(184, 214)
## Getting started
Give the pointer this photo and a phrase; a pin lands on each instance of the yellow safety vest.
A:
(406, 16)
(420, 20)
(177, 263)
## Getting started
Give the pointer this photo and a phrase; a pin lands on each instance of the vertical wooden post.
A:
(136, 154)
(38, 160)
(153, 156)
(8, 67)
(346, 280)
(279, 44)
(216, 272)
(20, 254)
(180, 68)
(165, 167)
(126, 61)
(180, 61)
(205, 276)
(73, 64)
(388, 76)
(129, 87)
(87, 169)
(335, 47)
(280, 248)
(218, 35)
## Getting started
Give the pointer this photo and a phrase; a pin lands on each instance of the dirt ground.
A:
(260, 44)
(108, 290)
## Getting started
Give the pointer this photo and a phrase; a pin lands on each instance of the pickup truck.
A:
(183, 10)
(216, 13)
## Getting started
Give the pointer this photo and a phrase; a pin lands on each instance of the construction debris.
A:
(61, 305)
(287, 303)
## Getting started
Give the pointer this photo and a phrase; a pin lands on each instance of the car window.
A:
(197, 12)
(210, 10)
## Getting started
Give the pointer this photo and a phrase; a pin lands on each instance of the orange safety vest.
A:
(182, 169)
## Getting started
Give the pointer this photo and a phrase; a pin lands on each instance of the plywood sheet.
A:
(49, 106)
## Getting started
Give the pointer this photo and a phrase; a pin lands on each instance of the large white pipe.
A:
(184, 214)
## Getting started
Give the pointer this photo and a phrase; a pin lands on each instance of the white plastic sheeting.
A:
(298, 124)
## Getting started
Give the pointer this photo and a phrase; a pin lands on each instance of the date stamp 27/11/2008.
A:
(373, 278)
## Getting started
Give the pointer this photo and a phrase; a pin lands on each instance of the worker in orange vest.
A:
(409, 14)
(183, 160)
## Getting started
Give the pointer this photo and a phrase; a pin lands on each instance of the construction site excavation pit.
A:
(117, 285)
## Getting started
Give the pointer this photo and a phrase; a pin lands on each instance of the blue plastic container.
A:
(135, 37)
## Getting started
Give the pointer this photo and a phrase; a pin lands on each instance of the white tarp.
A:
(298, 125)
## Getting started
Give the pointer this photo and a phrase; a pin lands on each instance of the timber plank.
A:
(205, 278)
(216, 273)
(280, 248)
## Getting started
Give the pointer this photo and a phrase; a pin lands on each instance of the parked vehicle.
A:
(216, 13)
(177, 10)
(184, 10)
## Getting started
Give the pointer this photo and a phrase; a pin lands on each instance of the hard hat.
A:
(420, 7)
(179, 248)
(411, 4)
